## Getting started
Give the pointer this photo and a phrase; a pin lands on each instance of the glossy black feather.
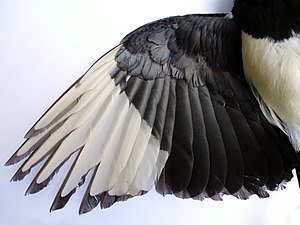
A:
(256, 167)
(274, 161)
(155, 96)
(161, 111)
(180, 163)
(218, 159)
(235, 164)
(166, 142)
(201, 166)
(265, 18)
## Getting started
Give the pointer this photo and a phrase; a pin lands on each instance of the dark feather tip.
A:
(298, 174)
(59, 201)
(13, 160)
(107, 200)
(33, 132)
(36, 187)
(89, 203)
(19, 175)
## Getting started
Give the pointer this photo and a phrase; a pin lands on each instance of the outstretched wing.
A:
(168, 107)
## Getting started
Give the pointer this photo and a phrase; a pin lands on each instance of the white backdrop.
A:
(44, 47)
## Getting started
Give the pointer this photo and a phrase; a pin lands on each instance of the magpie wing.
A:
(168, 107)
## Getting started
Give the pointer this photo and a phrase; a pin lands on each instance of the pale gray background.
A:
(44, 47)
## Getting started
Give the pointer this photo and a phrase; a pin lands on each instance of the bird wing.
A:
(169, 107)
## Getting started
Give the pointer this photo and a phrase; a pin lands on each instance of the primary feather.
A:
(169, 107)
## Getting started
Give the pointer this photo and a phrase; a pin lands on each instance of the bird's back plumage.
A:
(168, 107)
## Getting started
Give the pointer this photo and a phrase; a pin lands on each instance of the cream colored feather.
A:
(274, 74)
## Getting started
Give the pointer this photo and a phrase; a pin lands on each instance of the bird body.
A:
(272, 68)
(170, 107)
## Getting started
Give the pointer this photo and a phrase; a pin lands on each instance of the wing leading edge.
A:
(168, 107)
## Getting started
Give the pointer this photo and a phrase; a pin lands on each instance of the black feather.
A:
(235, 164)
(255, 163)
(180, 162)
(201, 166)
(159, 123)
(218, 159)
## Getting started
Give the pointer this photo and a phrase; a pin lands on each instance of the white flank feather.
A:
(272, 69)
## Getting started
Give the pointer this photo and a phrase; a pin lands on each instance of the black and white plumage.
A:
(168, 106)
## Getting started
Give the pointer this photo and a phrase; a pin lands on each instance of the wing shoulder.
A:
(201, 49)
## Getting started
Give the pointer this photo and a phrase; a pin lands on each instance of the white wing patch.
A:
(96, 119)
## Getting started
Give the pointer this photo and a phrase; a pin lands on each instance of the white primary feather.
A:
(81, 93)
(83, 123)
(80, 123)
(145, 172)
(150, 167)
(117, 153)
(99, 132)
(95, 118)
(95, 77)
(135, 158)
(273, 70)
